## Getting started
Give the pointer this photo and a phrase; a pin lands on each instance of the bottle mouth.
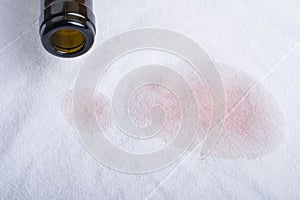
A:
(67, 28)
(67, 40)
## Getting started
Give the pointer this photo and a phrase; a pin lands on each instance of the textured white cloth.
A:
(42, 157)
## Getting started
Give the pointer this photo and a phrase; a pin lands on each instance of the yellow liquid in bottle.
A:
(67, 40)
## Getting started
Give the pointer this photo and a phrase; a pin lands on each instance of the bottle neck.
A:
(67, 27)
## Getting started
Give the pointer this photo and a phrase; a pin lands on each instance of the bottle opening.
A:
(67, 41)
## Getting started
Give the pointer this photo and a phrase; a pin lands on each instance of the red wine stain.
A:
(252, 126)
(100, 108)
(254, 121)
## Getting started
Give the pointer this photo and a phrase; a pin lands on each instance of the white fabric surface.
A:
(42, 157)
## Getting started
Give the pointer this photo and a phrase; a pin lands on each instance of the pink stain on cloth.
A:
(251, 129)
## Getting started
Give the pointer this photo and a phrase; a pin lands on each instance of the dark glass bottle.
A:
(67, 27)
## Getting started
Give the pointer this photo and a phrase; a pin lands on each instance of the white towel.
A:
(256, 47)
